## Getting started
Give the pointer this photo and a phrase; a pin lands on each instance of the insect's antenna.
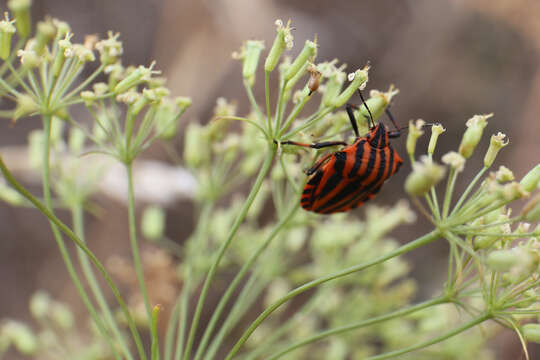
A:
(369, 111)
(389, 114)
(423, 126)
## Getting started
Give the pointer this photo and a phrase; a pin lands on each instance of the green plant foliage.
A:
(325, 287)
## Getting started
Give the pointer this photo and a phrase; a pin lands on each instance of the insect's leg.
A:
(369, 111)
(397, 132)
(350, 112)
(315, 145)
(318, 164)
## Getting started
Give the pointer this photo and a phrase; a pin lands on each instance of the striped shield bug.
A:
(347, 178)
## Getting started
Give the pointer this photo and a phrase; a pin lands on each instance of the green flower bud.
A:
(415, 131)
(21, 336)
(76, 140)
(473, 134)
(486, 241)
(100, 88)
(436, 130)
(502, 260)
(504, 174)
(25, 106)
(128, 97)
(307, 54)
(424, 176)
(46, 32)
(218, 125)
(29, 58)
(284, 39)
(196, 149)
(83, 53)
(116, 72)
(496, 143)
(531, 332)
(511, 191)
(21, 11)
(65, 50)
(378, 101)
(6, 33)
(183, 102)
(357, 79)
(11, 196)
(165, 124)
(62, 28)
(531, 180)
(251, 53)
(136, 77)
(62, 316)
(109, 49)
(89, 97)
(148, 96)
(153, 223)
(531, 210)
(454, 160)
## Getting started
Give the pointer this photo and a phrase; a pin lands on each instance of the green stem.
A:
(435, 202)
(424, 240)
(279, 106)
(449, 192)
(485, 226)
(252, 101)
(135, 245)
(294, 114)
(239, 276)
(308, 123)
(155, 344)
(468, 190)
(211, 273)
(250, 292)
(475, 213)
(58, 235)
(35, 93)
(372, 321)
(251, 122)
(84, 84)
(66, 230)
(299, 315)
(435, 340)
(78, 227)
(267, 99)
(182, 324)
(171, 328)
(9, 88)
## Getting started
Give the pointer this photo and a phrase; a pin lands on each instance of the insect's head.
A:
(378, 136)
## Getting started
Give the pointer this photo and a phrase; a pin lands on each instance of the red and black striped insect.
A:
(347, 178)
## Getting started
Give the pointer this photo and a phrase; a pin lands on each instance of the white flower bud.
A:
(496, 143)
(425, 175)
(473, 134)
(415, 131)
(454, 160)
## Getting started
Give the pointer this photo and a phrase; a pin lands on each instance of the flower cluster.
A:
(343, 273)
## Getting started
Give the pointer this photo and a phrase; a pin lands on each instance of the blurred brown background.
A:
(450, 59)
